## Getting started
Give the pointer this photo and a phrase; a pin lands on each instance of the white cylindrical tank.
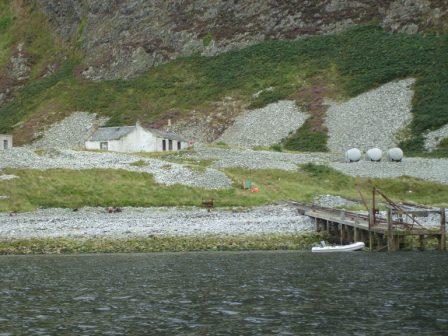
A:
(395, 154)
(374, 154)
(353, 155)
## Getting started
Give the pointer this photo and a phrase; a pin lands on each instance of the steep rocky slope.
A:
(202, 63)
(125, 38)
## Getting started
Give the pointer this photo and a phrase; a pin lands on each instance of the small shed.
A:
(5, 141)
(134, 139)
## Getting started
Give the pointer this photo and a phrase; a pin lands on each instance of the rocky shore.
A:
(94, 230)
(145, 222)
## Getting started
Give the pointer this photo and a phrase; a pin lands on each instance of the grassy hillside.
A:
(24, 24)
(340, 65)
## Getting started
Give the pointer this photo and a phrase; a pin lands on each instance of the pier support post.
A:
(363, 236)
(355, 234)
(397, 242)
(442, 244)
(382, 241)
(370, 241)
(421, 242)
(390, 234)
(341, 233)
(349, 233)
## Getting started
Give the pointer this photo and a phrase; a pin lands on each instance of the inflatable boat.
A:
(338, 248)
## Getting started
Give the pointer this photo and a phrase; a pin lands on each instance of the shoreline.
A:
(160, 229)
(97, 223)
(156, 229)
(267, 242)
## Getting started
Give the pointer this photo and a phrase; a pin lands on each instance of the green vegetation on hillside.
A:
(5, 37)
(21, 24)
(305, 139)
(359, 59)
(73, 189)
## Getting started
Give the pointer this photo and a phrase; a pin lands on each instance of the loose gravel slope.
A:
(371, 119)
(434, 138)
(70, 133)
(264, 126)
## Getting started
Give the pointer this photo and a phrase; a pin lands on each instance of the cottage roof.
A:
(115, 133)
(167, 135)
(111, 133)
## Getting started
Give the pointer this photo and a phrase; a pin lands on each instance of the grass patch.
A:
(414, 147)
(207, 39)
(306, 140)
(96, 187)
(159, 244)
(277, 148)
(271, 96)
(221, 144)
(139, 163)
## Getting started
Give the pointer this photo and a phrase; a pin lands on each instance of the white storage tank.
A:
(374, 154)
(395, 154)
(353, 155)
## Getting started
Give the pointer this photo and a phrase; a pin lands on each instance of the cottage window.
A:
(179, 145)
(5, 144)
(170, 145)
(104, 145)
(164, 145)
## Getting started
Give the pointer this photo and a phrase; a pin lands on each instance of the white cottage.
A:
(5, 141)
(134, 139)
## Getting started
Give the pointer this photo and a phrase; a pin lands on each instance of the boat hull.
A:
(341, 248)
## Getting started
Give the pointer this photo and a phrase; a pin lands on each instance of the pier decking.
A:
(376, 232)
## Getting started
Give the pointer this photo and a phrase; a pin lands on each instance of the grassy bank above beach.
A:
(158, 244)
(61, 188)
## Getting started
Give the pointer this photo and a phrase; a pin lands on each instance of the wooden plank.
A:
(360, 225)
(335, 219)
(415, 213)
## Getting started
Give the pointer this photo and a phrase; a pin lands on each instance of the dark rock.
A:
(124, 38)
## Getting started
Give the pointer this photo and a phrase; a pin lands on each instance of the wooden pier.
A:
(376, 232)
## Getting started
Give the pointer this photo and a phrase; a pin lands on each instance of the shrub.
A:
(277, 148)
(306, 140)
